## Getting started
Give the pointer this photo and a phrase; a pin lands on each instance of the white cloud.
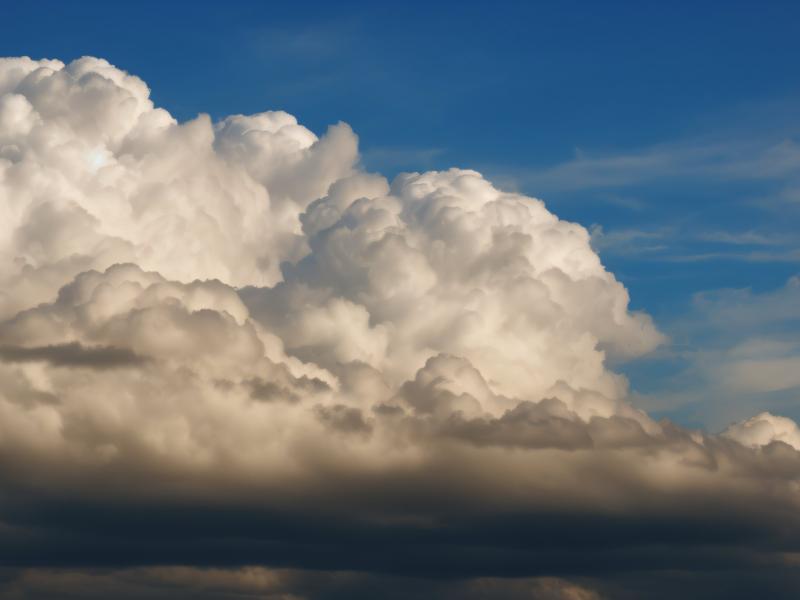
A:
(764, 429)
(93, 174)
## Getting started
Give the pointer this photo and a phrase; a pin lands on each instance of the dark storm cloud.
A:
(180, 582)
(433, 530)
(273, 584)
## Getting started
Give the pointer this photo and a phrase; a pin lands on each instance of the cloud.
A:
(93, 174)
(71, 355)
(681, 246)
(764, 429)
(271, 584)
(630, 242)
(709, 157)
(733, 352)
(737, 171)
(226, 346)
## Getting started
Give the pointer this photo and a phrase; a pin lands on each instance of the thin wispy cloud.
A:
(732, 350)
(674, 244)
(706, 158)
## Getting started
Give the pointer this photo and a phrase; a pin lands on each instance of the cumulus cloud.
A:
(269, 355)
(764, 429)
(93, 174)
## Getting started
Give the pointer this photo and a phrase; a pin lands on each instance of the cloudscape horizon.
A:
(234, 362)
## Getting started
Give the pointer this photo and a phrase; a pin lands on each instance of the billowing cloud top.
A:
(237, 315)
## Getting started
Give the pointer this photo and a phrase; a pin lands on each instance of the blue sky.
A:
(673, 132)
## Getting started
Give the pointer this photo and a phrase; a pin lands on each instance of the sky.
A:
(434, 300)
(669, 130)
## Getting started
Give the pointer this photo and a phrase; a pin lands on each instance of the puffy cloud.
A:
(224, 343)
(92, 174)
(764, 429)
(446, 263)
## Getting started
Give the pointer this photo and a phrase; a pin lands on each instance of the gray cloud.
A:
(73, 355)
(344, 419)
